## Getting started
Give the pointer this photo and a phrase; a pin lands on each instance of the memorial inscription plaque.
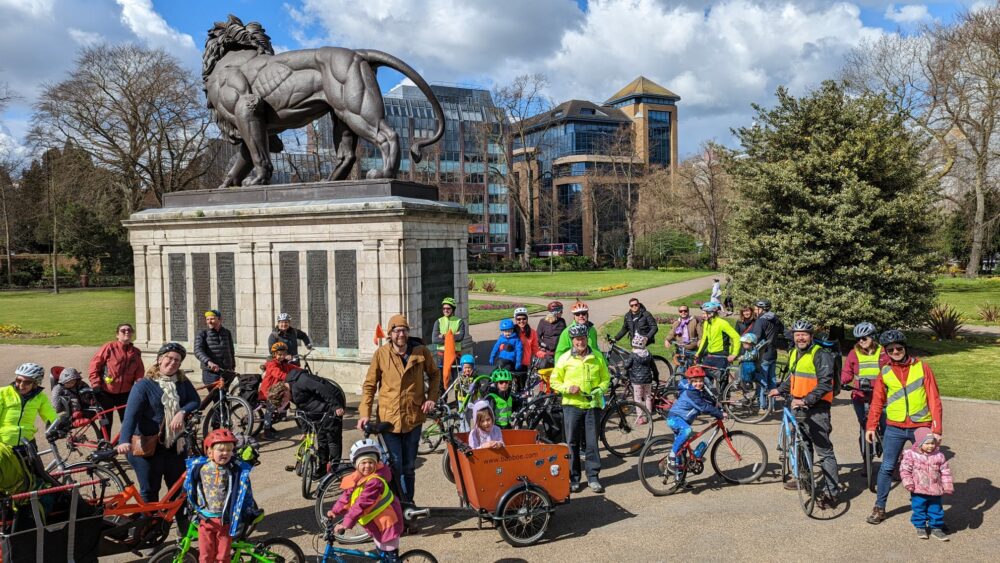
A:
(288, 283)
(317, 287)
(345, 264)
(225, 272)
(201, 279)
(177, 265)
(437, 278)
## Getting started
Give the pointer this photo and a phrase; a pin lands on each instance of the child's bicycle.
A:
(271, 550)
(307, 453)
(334, 554)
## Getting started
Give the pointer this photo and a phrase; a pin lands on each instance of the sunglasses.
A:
(634, 306)
(580, 314)
(896, 348)
(20, 381)
(126, 331)
(682, 310)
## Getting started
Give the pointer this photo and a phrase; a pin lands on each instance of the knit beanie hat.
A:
(398, 321)
(367, 455)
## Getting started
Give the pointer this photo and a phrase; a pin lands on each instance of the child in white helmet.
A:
(368, 500)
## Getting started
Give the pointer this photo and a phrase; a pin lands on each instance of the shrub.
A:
(472, 284)
(489, 286)
(945, 321)
(614, 287)
(989, 312)
(10, 330)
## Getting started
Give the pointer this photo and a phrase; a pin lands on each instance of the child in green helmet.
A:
(503, 401)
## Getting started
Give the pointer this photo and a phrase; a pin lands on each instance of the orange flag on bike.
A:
(379, 335)
(450, 355)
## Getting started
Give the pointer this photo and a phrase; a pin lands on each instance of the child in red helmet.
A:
(218, 488)
(693, 400)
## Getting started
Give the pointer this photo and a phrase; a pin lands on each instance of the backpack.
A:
(833, 347)
(248, 387)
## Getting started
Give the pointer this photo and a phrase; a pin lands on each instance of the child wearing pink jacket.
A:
(926, 475)
(368, 500)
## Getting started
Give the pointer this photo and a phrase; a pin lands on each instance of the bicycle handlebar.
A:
(373, 427)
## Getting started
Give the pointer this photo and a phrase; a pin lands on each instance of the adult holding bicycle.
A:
(214, 348)
(317, 396)
(154, 422)
(810, 385)
(397, 374)
(907, 389)
(549, 330)
(860, 370)
(712, 349)
(685, 334)
(637, 321)
(768, 329)
(114, 369)
(289, 335)
(581, 378)
(21, 402)
(581, 316)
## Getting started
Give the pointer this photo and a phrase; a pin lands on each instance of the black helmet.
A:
(892, 336)
(763, 304)
(803, 325)
(172, 347)
(578, 330)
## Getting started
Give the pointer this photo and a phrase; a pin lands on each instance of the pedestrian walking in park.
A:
(115, 369)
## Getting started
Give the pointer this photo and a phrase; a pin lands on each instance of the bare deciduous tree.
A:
(615, 186)
(704, 187)
(9, 163)
(135, 111)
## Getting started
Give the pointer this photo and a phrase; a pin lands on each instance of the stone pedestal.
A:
(340, 257)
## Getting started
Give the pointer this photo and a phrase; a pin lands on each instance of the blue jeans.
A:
(861, 411)
(893, 441)
(150, 473)
(402, 448)
(927, 511)
(765, 376)
(682, 431)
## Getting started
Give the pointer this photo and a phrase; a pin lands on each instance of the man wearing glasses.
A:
(685, 333)
(114, 369)
(906, 387)
(20, 402)
(637, 321)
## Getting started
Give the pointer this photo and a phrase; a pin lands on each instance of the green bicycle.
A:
(271, 550)
(307, 453)
(433, 433)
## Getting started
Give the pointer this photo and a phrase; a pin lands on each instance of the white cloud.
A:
(84, 38)
(907, 15)
(33, 8)
(149, 26)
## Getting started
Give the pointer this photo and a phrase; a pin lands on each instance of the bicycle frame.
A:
(240, 548)
(792, 433)
(715, 427)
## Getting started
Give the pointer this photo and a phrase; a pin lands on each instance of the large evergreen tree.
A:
(833, 219)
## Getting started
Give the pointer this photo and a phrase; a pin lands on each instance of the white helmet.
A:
(31, 370)
(284, 317)
(365, 446)
(521, 311)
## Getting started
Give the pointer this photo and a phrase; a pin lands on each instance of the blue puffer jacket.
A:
(693, 402)
(240, 501)
(507, 348)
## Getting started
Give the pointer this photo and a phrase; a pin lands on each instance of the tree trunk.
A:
(529, 225)
(630, 228)
(978, 222)
(6, 235)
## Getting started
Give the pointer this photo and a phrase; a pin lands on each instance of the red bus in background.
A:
(556, 249)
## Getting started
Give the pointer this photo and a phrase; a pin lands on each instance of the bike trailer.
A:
(50, 525)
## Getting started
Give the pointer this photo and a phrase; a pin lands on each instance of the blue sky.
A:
(719, 56)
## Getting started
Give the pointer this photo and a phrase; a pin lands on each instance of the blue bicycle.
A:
(334, 554)
(796, 457)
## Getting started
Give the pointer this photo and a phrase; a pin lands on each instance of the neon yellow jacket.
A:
(17, 418)
(589, 373)
(711, 337)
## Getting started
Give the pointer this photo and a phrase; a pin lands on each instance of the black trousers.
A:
(110, 401)
(330, 442)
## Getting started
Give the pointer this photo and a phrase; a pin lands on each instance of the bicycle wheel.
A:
(417, 556)
(741, 459)
(169, 553)
(309, 466)
(804, 477)
(668, 380)
(233, 413)
(446, 466)
(278, 550)
(88, 436)
(111, 485)
(871, 479)
(326, 496)
(658, 479)
(625, 428)
(430, 439)
(523, 517)
(742, 402)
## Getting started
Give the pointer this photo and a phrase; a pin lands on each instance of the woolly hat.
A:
(398, 321)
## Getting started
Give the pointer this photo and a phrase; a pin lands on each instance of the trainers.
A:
(791, 485)
(939, 534)
(877, 516)
(672, 463)
(922, 533)
(575, 487)
(596, 486)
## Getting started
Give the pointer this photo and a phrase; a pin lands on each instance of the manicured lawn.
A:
(694, 300)
(477, 315)
(85, 317)
(537, 284)
(967, 295)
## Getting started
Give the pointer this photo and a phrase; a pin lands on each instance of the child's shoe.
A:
(672, 463)
(388, 556)
(641, 420)
(922, 533)
(939, 534)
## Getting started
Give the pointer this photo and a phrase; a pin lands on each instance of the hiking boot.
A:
(596, 486)
(791, 485)
(939, 534)
(877, 516)
(922, 533)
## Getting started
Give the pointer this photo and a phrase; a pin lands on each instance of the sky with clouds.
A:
(719, 56)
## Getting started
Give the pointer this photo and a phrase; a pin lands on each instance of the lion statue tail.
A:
(380, 58)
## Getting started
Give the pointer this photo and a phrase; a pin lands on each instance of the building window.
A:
(658, 123)
(571, 208)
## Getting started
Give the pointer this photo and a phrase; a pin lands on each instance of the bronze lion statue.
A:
(255, 94)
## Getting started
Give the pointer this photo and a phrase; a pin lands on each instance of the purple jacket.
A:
(369, 496)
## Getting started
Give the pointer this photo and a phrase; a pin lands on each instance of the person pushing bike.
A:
(860, 370)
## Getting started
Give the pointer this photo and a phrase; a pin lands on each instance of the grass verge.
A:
(967, 295)
(84, 317)
(478, 316)
(583, 285)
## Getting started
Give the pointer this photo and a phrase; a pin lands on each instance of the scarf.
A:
(682, 330)
(171, 405)
(640, 352)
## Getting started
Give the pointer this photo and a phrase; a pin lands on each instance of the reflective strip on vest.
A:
(384, 501)
(909, 401)
(444, 323)
(868, 363)
(504, 408)
(803, 377)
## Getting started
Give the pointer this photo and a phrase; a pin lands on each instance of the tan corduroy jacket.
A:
(400, 388)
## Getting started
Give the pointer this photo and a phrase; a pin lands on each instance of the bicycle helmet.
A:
(694, 371)
(520, 311)
(31, 371)
(638, 341)
(803, 325)
(711, 306)
(749, 338)
(506, 324)
(172, 347)
(467, 359)
(555, 306)
(578, 330)
(892, 336)
(279, 346)
(450, 301)
(284, 317)
(580, 307)
(763, 304)
(219, 436)
(864, 329)
(500, 375)
(365, 448)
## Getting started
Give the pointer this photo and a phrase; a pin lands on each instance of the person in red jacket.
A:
(114, 369)
(273, 388)
(860, 370)
(529, 340)
(908, 391)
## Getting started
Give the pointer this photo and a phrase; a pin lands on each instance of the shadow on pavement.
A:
(971, 501)
(582, 515)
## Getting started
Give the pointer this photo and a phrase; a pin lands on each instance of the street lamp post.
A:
(547, 231)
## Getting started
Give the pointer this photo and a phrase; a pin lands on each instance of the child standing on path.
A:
(641, 373)
(926, 474)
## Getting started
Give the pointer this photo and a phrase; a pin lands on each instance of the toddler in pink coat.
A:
(926, 475)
